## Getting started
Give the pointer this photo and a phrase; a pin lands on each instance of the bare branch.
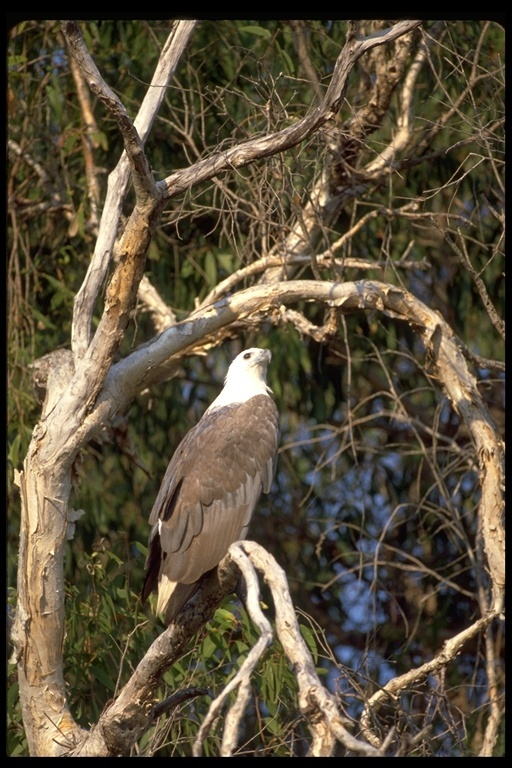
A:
(300, 40)
(317, 705)
(119, 178)
(245, 153)
(496, 703)
(89, 142)
(389, 693)
(242, 679)
(387, 157)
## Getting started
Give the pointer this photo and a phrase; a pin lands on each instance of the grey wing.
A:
(212, 486)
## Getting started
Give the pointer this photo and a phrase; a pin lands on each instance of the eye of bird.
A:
(247, 356)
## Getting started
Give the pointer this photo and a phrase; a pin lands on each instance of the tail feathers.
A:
(173, 596)
(153, 562)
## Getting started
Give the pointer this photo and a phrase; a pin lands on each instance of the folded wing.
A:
(208, 495)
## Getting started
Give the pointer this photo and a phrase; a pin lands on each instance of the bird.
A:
(212, 484)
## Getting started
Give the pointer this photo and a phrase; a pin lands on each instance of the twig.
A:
(462, 253)
(388, 695)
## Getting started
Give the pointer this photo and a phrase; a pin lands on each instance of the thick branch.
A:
(118, 182)
(125, 719)
(94, 357)
(257, 149)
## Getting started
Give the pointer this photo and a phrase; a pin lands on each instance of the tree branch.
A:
(119, 178)
(388, 695)
(138, 370)
(463, 256)
(134, 147)
(316, 704)
(242, 680)
(257, 149)
(124, 720)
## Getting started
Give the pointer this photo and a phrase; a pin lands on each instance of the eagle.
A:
(212, 484)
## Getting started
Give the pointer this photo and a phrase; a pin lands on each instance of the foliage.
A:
(377, 492)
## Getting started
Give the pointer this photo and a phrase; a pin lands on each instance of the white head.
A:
(246, 377)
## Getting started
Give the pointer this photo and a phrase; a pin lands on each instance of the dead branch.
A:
(134, 147)
(119, 178)
(388, 695)
(243, 154)
(89, 142)
(242, 680)
(316, 704)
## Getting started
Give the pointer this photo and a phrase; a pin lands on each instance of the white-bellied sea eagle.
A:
(212, 484)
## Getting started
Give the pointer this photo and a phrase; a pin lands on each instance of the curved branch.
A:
(316, 704)
(388, 694)
(243, 154)
(136, 372)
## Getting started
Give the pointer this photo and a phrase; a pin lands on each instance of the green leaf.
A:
(55, 99)
(225, 261)
(309, 636)
(103, 677)
(208, 647)
(289, 66)
(44, 321)
(258, 31)
(210, 267)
